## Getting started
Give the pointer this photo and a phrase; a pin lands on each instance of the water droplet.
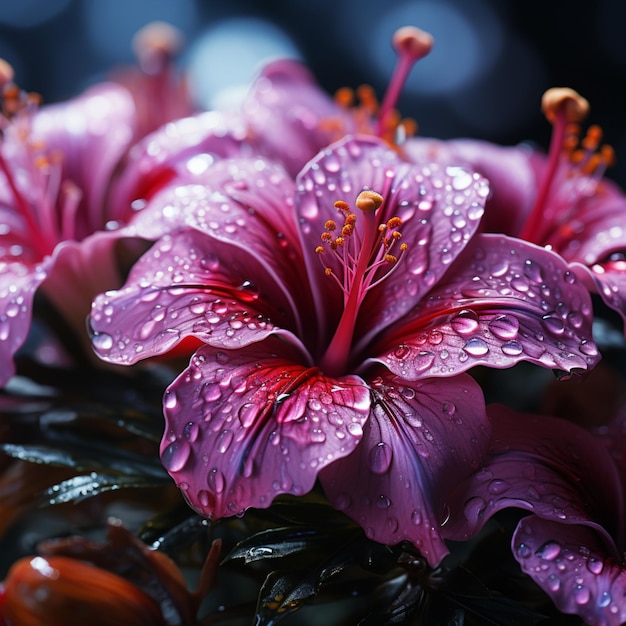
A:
(476, 347)
(247, 414)
(533, 271)
(379, 458)
(512, 348)
(170, 401)
(595, 565)
(496, 487)
(423, 360)
(224, 439)
(581, 594)
(176, 455)
(465, 323)
(461, 179)
(554, 584)
(504, 327)
(604, 600)
(549, 551)
(523, 551)
(216, 480)
(416, 518)
(401, 352)
(383, 502)
(553, 324)
(588, 348)
(102, 341)
(191, 431)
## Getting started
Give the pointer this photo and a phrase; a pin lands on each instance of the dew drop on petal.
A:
(604, 600)
(504, 327)
(533, 271)
(523, 551)
(247, 414)
(512, 348)
(224, 439)
(549, 551)
(176, 455)
(496, 487)
(423, 360)
(595, 565)
(582, 594)
(379, 458)
(476, 347)
(102, 341)
(553, 324)
(170, 401)
(554, 583)
(216, 480)
(383, 502)
(465, 323)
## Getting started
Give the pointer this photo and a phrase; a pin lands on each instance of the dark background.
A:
(491, 62)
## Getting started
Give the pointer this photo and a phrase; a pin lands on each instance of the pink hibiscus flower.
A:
(573, 543)
(560, 201)
(338, 314)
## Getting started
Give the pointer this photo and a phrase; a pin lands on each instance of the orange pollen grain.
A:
(330, 225)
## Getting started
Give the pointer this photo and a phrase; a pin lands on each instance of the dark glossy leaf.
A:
(280, 542)
(86, 486)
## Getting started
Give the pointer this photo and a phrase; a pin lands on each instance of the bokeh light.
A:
(224, 58)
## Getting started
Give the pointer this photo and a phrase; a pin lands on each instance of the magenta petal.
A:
(545, 465)
(420, 441)
(243, 427)
(187, 284)
(301, 116)
(18, 284)
(92, 132)
(440, 209)
(572, 566)
(504, 301)
(179, 146)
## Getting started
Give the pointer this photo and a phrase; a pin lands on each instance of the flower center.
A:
(570, 158)
(411, 44)
(357, 260)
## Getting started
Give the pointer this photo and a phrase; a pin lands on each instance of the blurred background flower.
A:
(491, 62)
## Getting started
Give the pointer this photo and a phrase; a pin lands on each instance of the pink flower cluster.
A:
(338, 286)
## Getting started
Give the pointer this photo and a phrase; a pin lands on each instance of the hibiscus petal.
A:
(243, 427)
(182, 146)
(92, 132)
(188, 284)
(542, 464)
(504, 301)
(301, 116)
(18, 284)
(440, 209)
(420, 441)
(572, 566)
(511, 177)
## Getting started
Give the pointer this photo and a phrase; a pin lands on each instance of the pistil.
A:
(564, 109)
(360, 255)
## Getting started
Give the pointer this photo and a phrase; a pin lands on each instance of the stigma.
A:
(572, 157)
(383, 118)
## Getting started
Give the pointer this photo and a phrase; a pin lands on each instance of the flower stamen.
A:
(569, 156)
(365, 257)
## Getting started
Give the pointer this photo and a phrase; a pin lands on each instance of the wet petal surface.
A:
(504, 302)
(245, 426)
(421, 439)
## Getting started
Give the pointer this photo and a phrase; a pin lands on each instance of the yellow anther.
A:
(340, 205)
(382, 228)
(394, 222)
(350, 219)
(328, 271)
(347, 230)
(369, 201)
(396, 234)
(326, 237)
(403, 247)
(565, 101)
(330, 225)
(339, 241)
(319, 250)
(389, 258)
